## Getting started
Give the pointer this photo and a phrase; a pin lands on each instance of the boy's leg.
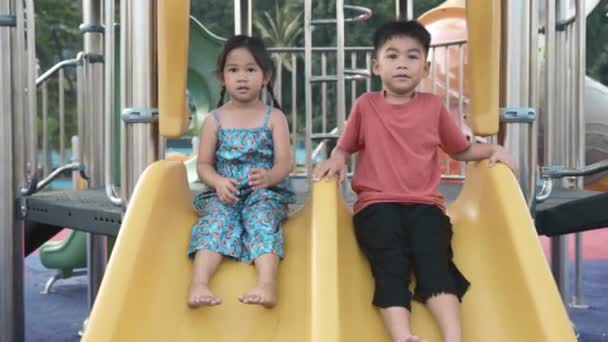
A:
(381, 236)
(206, 263)
(263, 239)
(446, 310)
(397, 322)
(439, 282)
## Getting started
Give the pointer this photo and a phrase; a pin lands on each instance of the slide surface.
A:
(325, 286)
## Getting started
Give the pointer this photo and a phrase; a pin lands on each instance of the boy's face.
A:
(401, 64)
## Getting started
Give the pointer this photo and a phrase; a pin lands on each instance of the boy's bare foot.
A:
(263, 294)
(200, 295)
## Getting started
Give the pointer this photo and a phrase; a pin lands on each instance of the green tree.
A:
(597, 44)
(281, 29)
(58, 38)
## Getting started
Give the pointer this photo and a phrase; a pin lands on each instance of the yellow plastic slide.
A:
(325, 285)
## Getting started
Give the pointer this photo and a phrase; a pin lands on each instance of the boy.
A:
(400, 221)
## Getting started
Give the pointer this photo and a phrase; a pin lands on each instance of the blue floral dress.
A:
(252, 226)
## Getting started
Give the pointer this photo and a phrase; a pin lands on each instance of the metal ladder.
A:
(341, 75)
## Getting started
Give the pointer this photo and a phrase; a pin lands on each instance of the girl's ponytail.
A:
(222, 93)
(275, 103)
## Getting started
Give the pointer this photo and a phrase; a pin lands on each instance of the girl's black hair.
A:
(260, 54)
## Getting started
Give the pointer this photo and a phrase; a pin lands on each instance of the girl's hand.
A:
(226, 190)
(259, 178)
(500, 154)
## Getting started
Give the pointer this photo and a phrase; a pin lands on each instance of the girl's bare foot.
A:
(409, 339)
(200, 295)
(263, 294)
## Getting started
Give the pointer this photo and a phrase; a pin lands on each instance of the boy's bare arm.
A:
(340, 155)
(475, 152)
(495, 153)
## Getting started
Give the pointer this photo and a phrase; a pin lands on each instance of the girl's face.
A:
(242, 76)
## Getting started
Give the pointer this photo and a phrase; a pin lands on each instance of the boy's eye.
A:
(391, 56)
(413, 56)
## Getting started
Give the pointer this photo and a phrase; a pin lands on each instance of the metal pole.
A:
(11, 233)
(19, 76)
(579, 127)
(324, 93)
(92, 152)
(307, 82)
(461, 165)
(92, 138)
(294, 107)
(559, 245)
(340, 91)
(109, 77)
(242, 17)
(61, 118)
(353, 83)
(45, 130)
(140, 146)
(368, 66)
(515, 78)
(404, 9)
(31, 117)
(410, 10)
(278, 80)
(533, 101)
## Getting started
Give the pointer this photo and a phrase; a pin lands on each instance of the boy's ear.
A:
(427, 68)
(375, 67)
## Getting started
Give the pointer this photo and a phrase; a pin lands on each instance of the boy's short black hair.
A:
(411, 28)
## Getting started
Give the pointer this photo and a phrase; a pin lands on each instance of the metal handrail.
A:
(366, 13)
(545, 190)
(109, 76)
(56, 173)
(561, 171)
(322, 144)
(55, 68)
(353, 48)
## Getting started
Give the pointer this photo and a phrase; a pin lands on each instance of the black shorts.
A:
(398, 239)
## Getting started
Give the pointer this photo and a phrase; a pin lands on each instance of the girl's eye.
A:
(413, 56)
(392, 56)
(231, 69)
(251, 70)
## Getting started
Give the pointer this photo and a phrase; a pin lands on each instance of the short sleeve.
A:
(452, 138)
(351, 139)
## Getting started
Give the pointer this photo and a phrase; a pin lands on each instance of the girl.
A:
(244, 157)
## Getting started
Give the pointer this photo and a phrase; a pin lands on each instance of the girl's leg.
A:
(263, 239)
(446, 310)
(216, 233)
(265, 293)
(205, 265)
(397, 321)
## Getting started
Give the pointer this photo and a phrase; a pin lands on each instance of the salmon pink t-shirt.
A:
(398, 144)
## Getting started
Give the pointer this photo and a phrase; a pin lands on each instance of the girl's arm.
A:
(283, 163)
(206, 153)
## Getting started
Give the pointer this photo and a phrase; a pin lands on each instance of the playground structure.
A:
(130, 305)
